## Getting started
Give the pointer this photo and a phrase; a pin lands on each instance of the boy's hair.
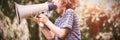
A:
(70, 3)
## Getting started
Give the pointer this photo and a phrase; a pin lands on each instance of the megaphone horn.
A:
(25, 11)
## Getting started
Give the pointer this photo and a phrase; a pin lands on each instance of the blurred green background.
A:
(98, 19)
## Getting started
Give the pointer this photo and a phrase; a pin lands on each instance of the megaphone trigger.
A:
(42, 12)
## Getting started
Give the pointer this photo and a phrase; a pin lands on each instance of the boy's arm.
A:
(60, 32)
(48, 34)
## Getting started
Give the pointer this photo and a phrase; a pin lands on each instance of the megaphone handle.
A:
(41, 24)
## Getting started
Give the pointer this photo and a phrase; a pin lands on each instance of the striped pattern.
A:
(69, 20)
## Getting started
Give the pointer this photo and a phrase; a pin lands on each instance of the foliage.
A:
(99, 20)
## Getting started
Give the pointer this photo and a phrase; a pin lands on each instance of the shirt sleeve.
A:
(67, 20)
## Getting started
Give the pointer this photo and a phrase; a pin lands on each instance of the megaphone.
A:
(25, 11)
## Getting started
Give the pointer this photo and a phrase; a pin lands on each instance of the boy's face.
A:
(59, 7)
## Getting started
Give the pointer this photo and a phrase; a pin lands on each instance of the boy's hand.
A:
(43, 18)
(37, 20)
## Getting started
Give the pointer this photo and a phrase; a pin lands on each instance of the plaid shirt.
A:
(69, 20)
